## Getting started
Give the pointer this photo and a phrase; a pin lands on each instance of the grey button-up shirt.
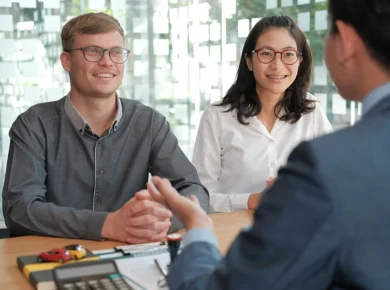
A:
(62, 179)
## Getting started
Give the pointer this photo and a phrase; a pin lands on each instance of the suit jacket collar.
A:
(380, 107)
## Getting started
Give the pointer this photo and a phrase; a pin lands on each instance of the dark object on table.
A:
(174, 241)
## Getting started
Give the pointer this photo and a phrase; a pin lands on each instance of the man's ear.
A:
(65, 61)
(248, 60)
(350, 43)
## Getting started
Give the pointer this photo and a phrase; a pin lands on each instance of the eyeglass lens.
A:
(267, 55)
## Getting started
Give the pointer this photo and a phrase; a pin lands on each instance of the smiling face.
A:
(94, 79)
(274, 77)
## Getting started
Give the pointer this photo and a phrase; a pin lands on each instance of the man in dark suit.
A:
(324, 224)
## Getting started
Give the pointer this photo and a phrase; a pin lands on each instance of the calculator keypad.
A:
(113, 282)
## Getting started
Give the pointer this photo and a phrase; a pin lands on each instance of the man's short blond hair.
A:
(90, 23)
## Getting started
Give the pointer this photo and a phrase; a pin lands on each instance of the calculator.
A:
(96, 275)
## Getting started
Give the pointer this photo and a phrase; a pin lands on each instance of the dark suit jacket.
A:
(324, 224)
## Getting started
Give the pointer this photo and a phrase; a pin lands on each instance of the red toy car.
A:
(55, 255)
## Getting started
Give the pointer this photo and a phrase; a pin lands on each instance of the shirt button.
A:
(98, 200)
(98, 142)
(273, 165)
(101, 171)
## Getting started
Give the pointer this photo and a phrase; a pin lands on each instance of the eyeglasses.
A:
(267, 55)
(96, 53)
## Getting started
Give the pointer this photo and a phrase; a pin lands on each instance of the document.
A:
(143, 270)
(136, 264)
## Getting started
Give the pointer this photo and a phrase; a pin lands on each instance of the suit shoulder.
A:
(359, 136)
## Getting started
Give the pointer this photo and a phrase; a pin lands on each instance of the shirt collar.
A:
(80, 123)
(374, 97)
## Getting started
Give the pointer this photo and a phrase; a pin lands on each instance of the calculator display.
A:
(90, 270)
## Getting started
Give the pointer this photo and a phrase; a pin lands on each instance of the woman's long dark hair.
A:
(242, 95)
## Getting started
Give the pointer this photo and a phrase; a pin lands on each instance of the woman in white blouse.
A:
(243, 140)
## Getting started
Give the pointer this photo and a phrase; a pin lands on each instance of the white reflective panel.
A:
(270, 4)
(173, 15)
(8, 116)
(339, 105)
(96, 4)
(204, 32)
(181, 132)
(5, 140)
(7, 70)
(7, 23)
(181, 112)
(304, 21)
(163, 109)
(141, 68)
(120, 15)
(52, 23)
(5, 3)
(215, 95)
(141, 93)
(204, 53)
(203, 13)
(183, 12)
(321, 20)
(215, 31)
(160, 5)
(230, 52)
(7, 47)
(118, 4)
(209, 76)
(29, 70)
(229, 6)
(359, 109)
(323, 99)
(32, 95)
(140, 25)
(320, 76)
(160, 25)
(215, 53)
(140, 46)
(287, 3)
(162, 91)
(161, 46)
(25, 25)
(54, 93)
(161, 76)
(180, 90)
(53, 4)
(243, 27)
(228, 76)
(28, 3)
(254, 21)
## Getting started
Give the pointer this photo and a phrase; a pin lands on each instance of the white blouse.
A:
(235, 160)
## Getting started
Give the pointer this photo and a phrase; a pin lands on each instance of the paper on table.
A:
(143, 270)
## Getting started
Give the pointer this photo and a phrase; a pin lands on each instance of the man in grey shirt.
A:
(78, 167)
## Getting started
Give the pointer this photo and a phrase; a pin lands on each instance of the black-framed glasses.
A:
(96, 53)
(267, 55)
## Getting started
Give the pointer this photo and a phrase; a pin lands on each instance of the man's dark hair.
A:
(242, 95)
(371, 20)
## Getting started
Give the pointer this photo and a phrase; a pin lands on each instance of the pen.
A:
(161, 269)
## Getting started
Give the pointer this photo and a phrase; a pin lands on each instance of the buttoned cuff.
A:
(199, 235)
(240, 201)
